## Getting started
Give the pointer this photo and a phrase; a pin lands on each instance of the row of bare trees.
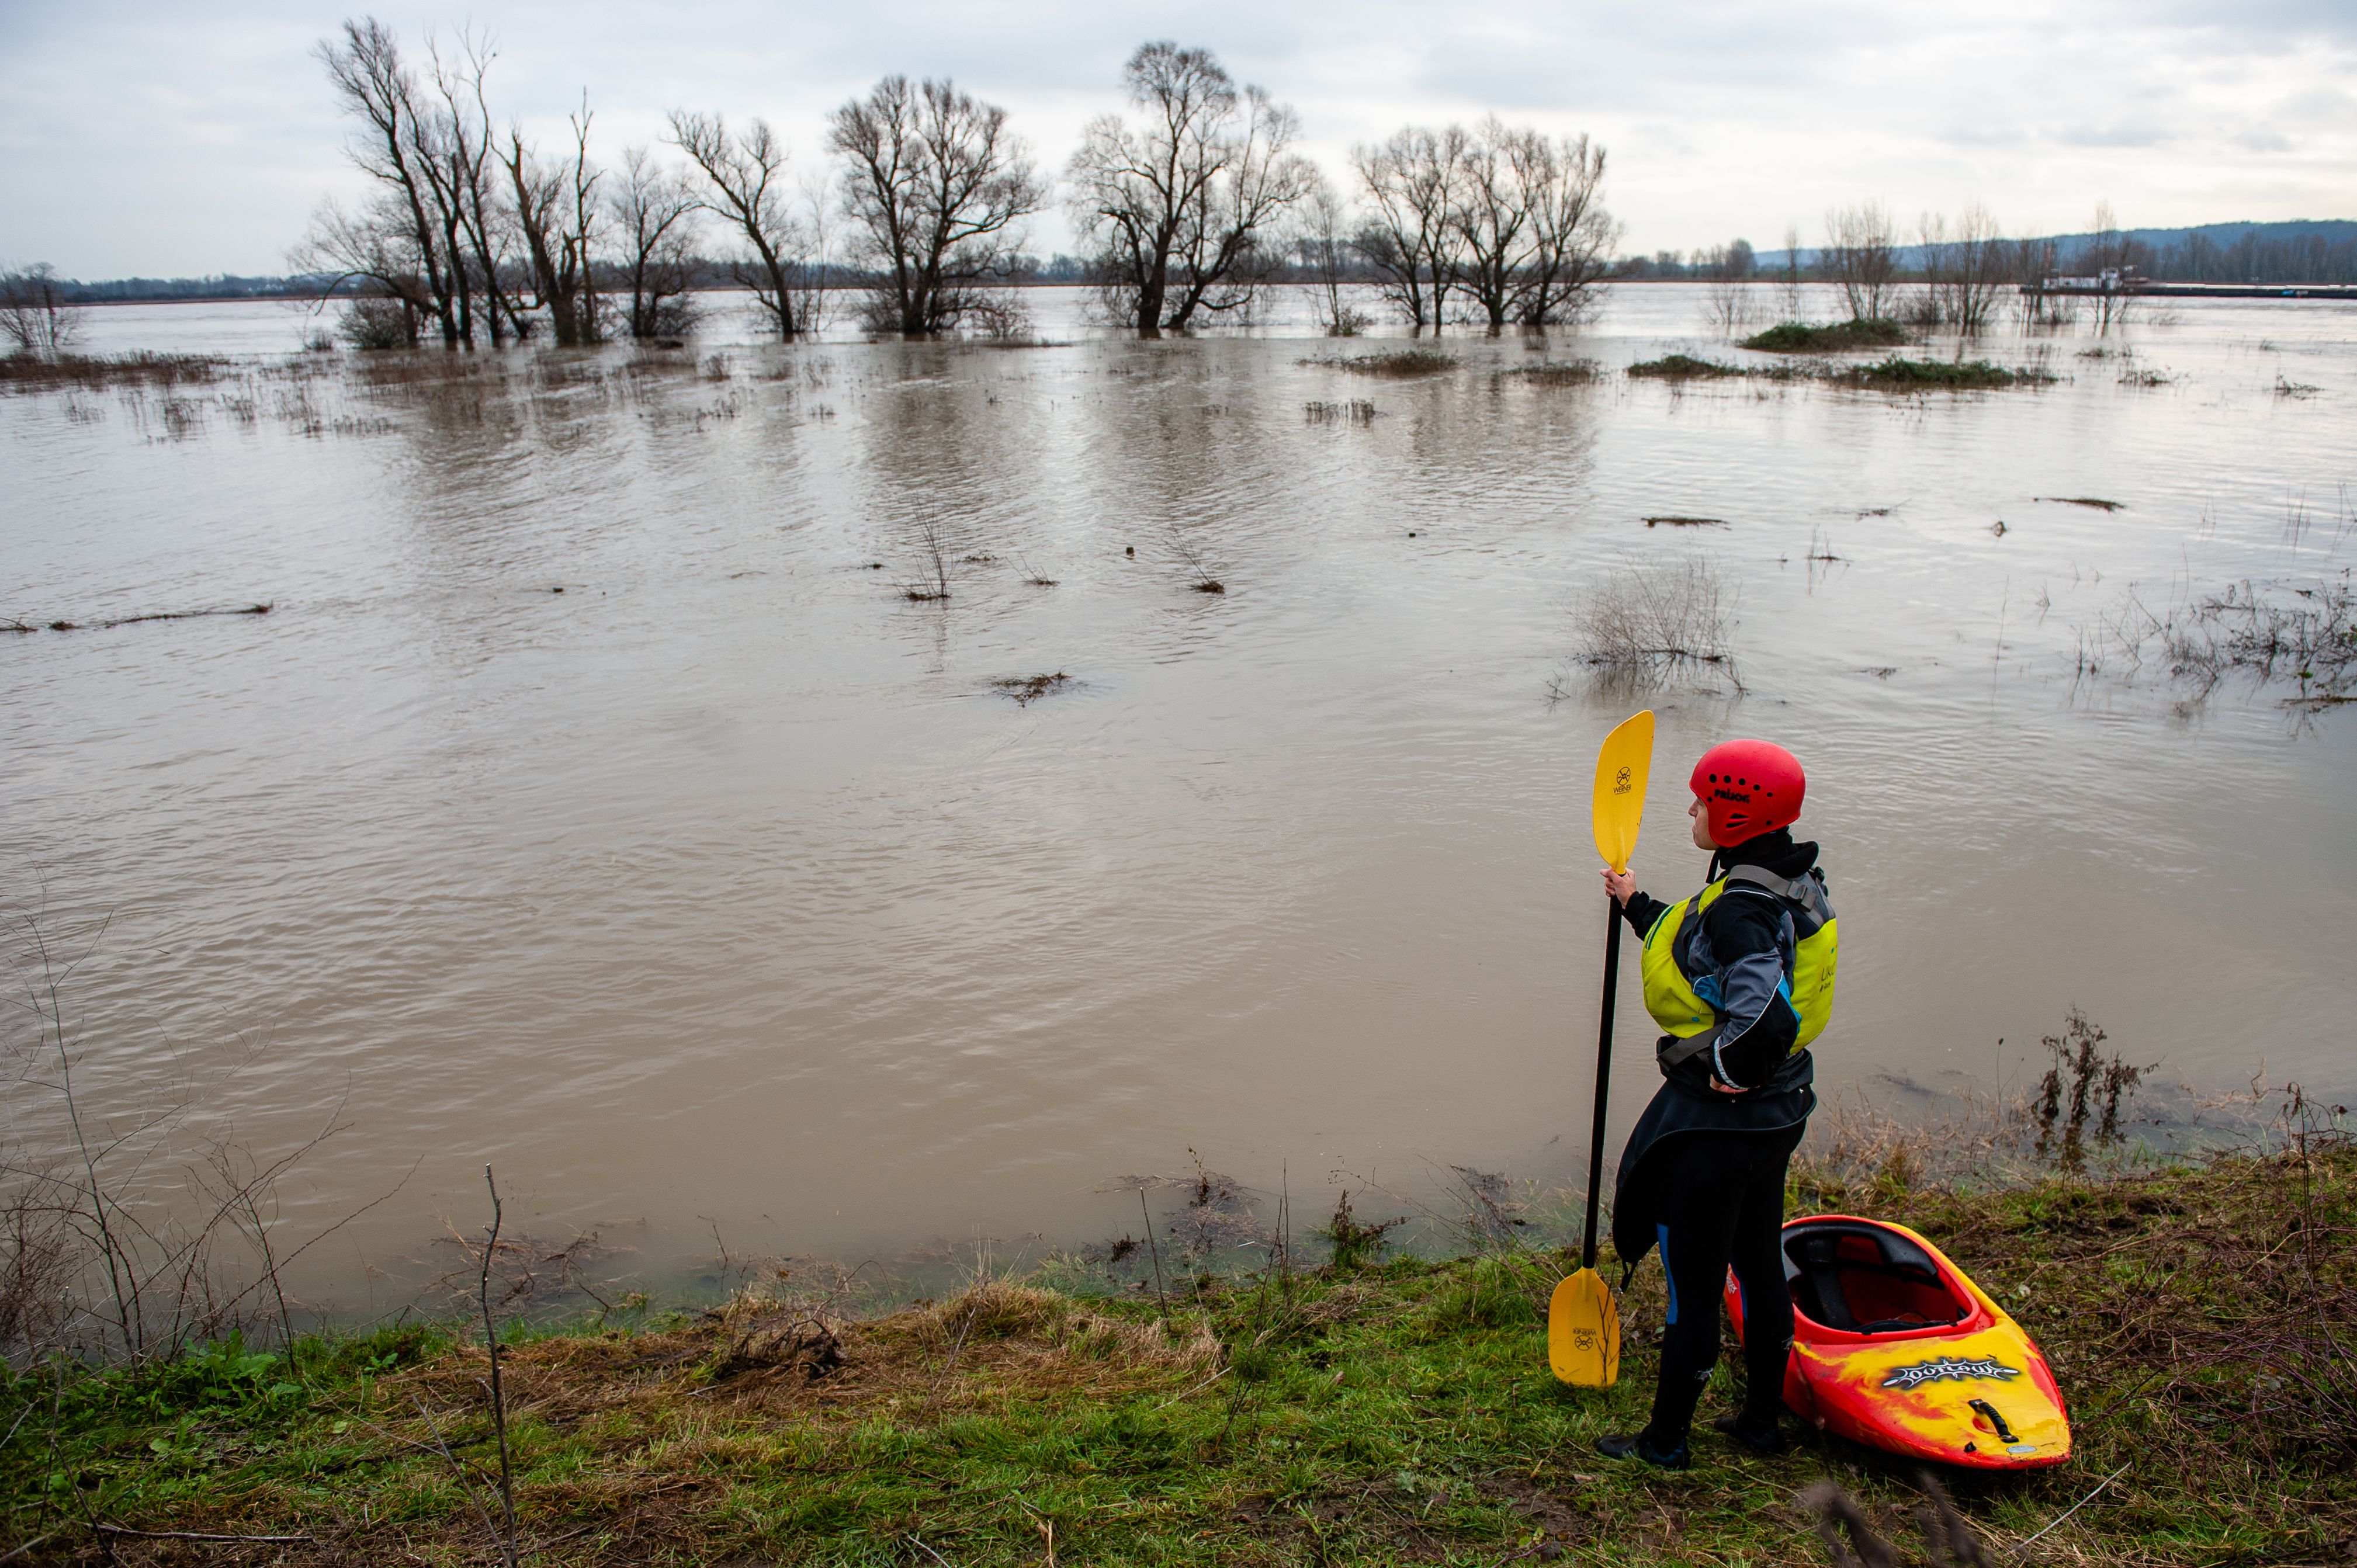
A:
(1185, 205)
(468, 231)
(1963, 271)
(1507, 218)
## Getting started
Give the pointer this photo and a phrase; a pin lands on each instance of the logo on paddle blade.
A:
(1622, 782)
(1583, 1338)
(1946, 1368)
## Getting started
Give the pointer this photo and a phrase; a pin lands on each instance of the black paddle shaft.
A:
(1603, 1078)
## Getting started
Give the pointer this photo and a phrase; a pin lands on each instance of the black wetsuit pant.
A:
(1721, 1203)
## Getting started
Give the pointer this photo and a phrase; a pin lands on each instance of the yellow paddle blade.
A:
(1584, 1332)
(1621, 764)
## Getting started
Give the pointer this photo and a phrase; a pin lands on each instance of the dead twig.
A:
(2074, 1508)
(105, 1529)
(498, 1399)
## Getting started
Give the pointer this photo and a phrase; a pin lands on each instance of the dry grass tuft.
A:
(2305, 634)
(1653, 620)
(27, 372)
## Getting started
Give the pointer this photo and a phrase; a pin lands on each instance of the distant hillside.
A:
(2300, 251)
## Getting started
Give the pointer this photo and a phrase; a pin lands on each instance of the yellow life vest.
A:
(1672, 999)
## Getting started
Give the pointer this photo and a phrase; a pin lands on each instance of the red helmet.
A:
(1749, 788)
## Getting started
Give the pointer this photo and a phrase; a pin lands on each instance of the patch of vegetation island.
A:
(1899, 374)
(1563, 373)
(1809, 338)
(1400, 364)
(1682, 368)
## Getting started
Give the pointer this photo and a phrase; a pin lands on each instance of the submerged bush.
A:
(373, 322)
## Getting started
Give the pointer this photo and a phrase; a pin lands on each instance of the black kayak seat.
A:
(1862, 1279)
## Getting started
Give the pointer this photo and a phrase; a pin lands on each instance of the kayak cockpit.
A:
(1869, 1279)
(1895, 1346)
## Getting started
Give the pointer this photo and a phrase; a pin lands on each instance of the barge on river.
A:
(2121, 283)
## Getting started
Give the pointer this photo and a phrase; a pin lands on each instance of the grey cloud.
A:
(2130, 135)
(218, 120)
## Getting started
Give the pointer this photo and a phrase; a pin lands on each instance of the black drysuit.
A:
(1703, 1175)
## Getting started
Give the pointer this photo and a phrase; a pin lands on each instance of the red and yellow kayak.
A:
(1893, 1346)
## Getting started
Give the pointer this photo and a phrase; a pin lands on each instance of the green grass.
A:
(1682, 368)
(1398, 1412)
(1400, 364)
(1559, 373)
(1897, 375)
(1805, 337)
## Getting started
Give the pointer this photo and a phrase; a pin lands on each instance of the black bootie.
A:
(1762, 1435)
(1637, 1446)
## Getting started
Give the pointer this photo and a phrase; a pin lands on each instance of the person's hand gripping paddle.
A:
(1583, 1325)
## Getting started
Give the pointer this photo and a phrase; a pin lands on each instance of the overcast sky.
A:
(144, 138)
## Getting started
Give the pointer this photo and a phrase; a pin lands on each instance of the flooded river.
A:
(726, 890)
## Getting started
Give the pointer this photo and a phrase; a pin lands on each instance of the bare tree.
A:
(453, 145)
(34, 312)
(2033, 263)
(1862, 252)
(1179, 212)
(1729, 301)
(743, 187)
(396, 240)
(435, 233)
(2105, 247)
(2107, 256)
(1788, 283)
(813, 275)
(1964, 268)
(652, 211)
(1412, 183)
(1492, 216)
(1532, 232)
(1326, 251)
(1571, 234)
(557, 212)
(935, 189)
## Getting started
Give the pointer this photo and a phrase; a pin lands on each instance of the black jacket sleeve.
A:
(1640, 911)
(1757, 1026)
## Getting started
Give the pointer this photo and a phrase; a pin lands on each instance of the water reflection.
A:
(725, 883)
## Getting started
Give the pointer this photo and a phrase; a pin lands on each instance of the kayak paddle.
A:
(1583, 1323)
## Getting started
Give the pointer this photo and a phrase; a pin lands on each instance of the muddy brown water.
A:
(728, 892)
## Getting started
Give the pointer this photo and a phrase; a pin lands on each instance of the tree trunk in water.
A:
(1149, 301)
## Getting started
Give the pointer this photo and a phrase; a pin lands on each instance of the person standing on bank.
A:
(1741, 976)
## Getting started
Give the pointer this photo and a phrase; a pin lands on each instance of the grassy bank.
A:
(2203, 1320)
